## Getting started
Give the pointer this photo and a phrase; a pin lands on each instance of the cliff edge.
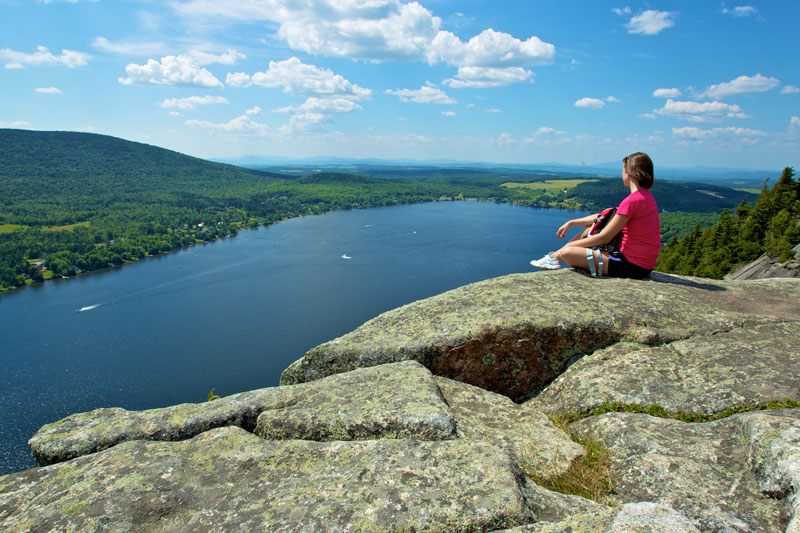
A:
(432, 417)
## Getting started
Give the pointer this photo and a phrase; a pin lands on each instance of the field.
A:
(547, 185)
(11, 228)
(69, 227)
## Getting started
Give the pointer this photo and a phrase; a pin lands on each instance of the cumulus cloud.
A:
(128, 48)
(448, 113)
(697, 133)
(48, 90)
(322, 106)
(241, 124)
(181, 70)
(699, 111)
(741, 85)
(256, 110)
(489, 49)
(424, 95)
(790, 89)
(651, 22)
(612, 99)
(15, 124)
(192, 102)
(795, 122)
(546, 130)
(296, 77)
(43, 56)
(494, 110)
(667, 93)
(591, 103)
(374, 30)
(622, 11)
(740, 11)
(505, 139)
(482, 77)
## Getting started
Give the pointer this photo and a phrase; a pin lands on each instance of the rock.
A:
(733, 474)
(515, 334)
(227, 479)
(703, 374)
(641, 517)
(392, 401)
(527, 434)
(768, 267)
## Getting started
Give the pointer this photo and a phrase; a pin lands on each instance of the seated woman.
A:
(636, 217)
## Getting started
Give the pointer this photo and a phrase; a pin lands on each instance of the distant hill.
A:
(74, 172)
(411, 168)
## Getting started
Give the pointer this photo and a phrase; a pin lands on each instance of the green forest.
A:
(75, 202)
(771, 226)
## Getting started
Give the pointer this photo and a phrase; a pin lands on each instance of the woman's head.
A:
(639, 166)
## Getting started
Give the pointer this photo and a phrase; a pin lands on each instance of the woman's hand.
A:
(562, 231)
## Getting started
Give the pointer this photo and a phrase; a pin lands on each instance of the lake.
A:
(232, 314)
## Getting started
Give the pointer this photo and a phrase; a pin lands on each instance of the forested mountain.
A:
(772, 226)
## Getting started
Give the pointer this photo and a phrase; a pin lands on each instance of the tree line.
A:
(771, 226)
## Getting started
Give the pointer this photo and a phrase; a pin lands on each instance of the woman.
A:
(636, 217)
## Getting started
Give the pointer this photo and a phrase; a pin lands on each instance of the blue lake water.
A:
(234, 313)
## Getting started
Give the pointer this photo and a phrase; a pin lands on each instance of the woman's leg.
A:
(576, 257)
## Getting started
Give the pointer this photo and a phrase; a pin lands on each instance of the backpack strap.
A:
(600, 264)
(590, 259)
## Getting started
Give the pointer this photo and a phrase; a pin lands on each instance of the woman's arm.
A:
(585, 221)
(613, 227)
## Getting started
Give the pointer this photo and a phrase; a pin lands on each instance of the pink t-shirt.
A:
(641, 236)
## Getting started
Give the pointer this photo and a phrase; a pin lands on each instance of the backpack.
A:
(612, 246)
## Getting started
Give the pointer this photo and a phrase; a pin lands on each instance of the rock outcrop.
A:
(408, 423)
(768, 267)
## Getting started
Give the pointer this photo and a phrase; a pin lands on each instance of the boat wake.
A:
(87, 308)
(345, 256)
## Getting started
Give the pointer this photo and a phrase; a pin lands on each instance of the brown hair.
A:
(640, 167)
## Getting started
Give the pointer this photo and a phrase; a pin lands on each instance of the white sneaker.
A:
(547, 262)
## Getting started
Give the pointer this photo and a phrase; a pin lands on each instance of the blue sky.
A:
(690, 82)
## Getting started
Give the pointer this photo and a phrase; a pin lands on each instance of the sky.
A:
(504, 81)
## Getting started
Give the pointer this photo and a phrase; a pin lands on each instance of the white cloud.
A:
(296, 77)
(253, 111)
(699, 111)
(180, 70)
(494, 110)
(482, 77)
(129, 48)
(667, 93)
(697, 133)
(651, 22)
(505, 139)
(612, 99)
(43, 56)
(648, 116)
(546, 130)
(424, 95)
(322, 106)
(592, 103)
(740, 11)
(795, 122)
(448, 113)
(304, 122)
(48, 90)
(242, 124)
(790, 89)
(622, 11)
(375, 30)
(741, 85)
(192, 102)
(15, 124)
(490, 49)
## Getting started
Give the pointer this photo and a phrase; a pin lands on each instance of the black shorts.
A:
(619, 267)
